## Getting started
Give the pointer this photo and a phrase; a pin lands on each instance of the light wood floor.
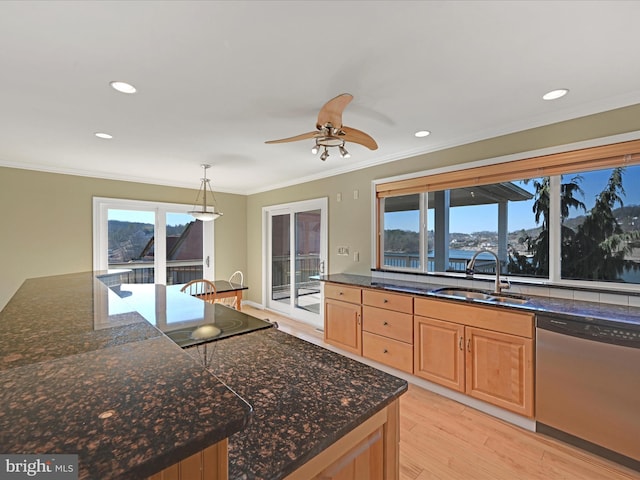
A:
(443, 439)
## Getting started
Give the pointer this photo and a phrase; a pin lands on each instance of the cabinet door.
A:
(499, 369)
(342, 325)
(439, 352)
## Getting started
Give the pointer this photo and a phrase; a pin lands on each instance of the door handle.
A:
(469, 345)
(461, 343)
(207, 261)
(322, 267)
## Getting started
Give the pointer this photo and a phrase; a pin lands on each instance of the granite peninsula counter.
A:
(73, 350)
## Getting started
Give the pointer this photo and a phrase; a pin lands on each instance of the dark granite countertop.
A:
(605, 313)
(304, 397)
(70, 350)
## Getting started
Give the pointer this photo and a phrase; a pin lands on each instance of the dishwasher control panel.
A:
(623, 335)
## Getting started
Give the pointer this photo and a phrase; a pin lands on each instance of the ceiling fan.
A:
(330, 132)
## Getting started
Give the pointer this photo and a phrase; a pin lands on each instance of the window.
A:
(154, 242)
(576, 220)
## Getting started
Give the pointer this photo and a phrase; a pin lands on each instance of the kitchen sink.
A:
(464, 293)
(474, 294)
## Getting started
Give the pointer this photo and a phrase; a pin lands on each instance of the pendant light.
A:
(205, 214)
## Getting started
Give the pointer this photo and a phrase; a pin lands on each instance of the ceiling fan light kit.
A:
(330, 132)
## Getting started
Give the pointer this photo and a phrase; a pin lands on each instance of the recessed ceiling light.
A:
(422, 133)
(106, 136)
(555, 94)
(123, 87)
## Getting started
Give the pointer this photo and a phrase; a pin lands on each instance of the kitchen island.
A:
(83, 372)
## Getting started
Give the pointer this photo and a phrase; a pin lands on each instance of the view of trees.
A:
(594, 248)
(127, 240)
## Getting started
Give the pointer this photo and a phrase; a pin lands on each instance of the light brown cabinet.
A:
(387, 325)
(439, 352)
(343, 317)
(211, 463)
(484, 352)
(370, 451)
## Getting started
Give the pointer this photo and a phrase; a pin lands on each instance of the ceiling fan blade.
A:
(302, 136)
(331, 112)
(357, 136)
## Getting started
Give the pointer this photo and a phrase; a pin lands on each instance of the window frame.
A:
(101, 207)
(562, 160)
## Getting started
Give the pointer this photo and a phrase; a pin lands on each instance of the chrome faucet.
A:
(499, 285)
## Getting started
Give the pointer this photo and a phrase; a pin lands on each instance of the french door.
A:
(295, 237)
(154, 242)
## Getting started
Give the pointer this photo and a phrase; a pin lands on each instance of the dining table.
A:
(226, 289)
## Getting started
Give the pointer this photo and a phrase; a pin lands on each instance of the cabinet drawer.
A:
(396, 325)
(390, 301)
(388, 351)
(496, 319)
(342, 292)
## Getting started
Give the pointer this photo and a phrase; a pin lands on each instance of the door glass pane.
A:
(402, 231)
(280, 259)
(131, 243)
(307, 238)
(600, 228)
(184, 248)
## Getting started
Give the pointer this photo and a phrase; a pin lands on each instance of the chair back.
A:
(201, 288)
(237, 277)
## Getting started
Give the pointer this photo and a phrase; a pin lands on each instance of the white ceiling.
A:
(216, 79)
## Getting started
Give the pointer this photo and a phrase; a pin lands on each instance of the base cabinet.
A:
(343, 317)
(370, 451)
(499, 369)
(212, 463)
(492, 366)
(439, 352)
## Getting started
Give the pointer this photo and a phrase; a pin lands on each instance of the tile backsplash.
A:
(567, 293)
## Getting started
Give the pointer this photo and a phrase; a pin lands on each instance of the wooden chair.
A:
(238, 278)
(201, 288)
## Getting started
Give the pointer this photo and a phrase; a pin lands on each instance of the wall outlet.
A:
(343, 250)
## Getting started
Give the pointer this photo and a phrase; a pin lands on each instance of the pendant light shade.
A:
(203, 212)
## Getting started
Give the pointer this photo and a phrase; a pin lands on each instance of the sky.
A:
(484, 217)
(148, 217)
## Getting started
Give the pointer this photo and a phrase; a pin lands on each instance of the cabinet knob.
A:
(385, 351)
(385, 300)
(385, 323)
(339, 293)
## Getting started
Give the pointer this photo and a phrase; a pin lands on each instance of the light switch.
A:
(338, 197)
(356, 194)
(356, 256)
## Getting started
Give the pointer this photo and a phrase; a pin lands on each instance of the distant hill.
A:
(128, 239)
(406, 241)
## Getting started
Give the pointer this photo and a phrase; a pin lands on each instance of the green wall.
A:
(350, 220)
(47, 218)
(47, 224)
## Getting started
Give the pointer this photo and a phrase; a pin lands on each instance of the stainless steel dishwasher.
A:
(588, 385)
